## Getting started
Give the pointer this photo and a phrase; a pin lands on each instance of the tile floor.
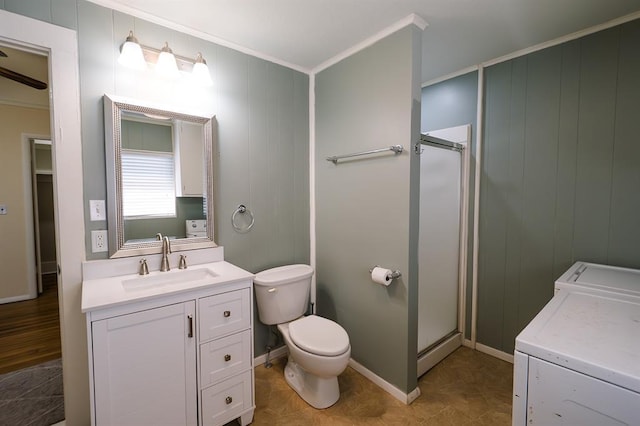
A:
(467, 388)
(32, 396)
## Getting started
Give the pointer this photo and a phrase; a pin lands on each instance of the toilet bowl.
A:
(319, 348)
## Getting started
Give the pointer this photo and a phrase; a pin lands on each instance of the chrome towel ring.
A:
(242, 209)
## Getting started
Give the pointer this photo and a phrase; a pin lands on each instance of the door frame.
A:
(61, 46)
(31, 209)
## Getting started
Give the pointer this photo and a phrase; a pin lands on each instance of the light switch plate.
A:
(97, 209)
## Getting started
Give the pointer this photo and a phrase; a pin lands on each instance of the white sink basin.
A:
(161, 279)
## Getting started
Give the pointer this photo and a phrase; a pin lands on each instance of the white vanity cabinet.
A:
(171, 357)
(144, 367)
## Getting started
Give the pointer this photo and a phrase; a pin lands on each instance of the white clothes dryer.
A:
(578, 360)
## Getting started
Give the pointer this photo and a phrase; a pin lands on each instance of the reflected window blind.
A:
(148, 184)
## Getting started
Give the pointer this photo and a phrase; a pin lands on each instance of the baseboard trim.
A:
(20, 298)
(467, 343)
(406, 398)
(276, 353)
(429, 360)
(494, 352)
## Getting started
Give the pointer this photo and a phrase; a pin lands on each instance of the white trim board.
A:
(494, 352)
(377, 380)
(412, 19)
(406, 398)
(536, 47)
(276, 353)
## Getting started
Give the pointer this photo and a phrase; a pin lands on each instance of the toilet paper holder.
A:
(394, 274)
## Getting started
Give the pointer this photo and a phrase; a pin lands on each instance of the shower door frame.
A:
(458, 139)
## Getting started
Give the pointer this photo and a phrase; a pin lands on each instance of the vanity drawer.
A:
(224, 314)
(227, 400)
(224, 357)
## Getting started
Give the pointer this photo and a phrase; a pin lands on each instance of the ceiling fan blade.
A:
(21, 78)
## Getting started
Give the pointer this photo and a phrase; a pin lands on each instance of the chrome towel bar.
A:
(395, 148)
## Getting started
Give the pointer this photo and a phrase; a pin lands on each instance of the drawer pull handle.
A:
(228, 400)
(227, 314)
(227, 357)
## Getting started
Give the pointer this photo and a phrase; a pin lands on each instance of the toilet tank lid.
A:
(283, 275)
(319, 335)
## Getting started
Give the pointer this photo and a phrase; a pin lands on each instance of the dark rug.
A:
(32, 396)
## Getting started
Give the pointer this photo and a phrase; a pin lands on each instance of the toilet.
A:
(319, 348)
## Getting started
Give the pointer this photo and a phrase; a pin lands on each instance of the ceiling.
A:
(308, 34)
(304, 34)
(29, 64)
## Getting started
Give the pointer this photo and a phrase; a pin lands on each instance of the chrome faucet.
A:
(166, 249)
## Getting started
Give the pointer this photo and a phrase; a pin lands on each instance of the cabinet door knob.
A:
(227, 314)
(227, 357)
(228, 400)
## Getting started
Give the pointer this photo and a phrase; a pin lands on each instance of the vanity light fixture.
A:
(166, 63)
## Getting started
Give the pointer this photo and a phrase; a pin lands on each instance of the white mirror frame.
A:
(113, 108)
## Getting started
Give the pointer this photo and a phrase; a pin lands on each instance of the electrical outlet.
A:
(99, 241)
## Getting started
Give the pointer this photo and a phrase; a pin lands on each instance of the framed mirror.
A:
(159, 177)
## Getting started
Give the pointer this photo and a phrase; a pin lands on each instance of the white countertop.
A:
(593, 334)
(108, 292)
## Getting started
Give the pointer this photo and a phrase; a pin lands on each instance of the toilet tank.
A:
(282, 293)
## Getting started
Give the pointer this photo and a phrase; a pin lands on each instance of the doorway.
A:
(30, 336)
(61, 45)
(441, 250)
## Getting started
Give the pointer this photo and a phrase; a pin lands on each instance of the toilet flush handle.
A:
(272, 290)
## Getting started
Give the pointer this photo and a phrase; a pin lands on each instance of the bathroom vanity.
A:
(170, 348)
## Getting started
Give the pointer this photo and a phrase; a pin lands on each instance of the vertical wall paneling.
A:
(624, 231)
(560, 173)
(36, 9)
(539, 174)
(598, 75)
(493, 214)
(96, 56)
(232, 116)
(519, 143)
(566, 157)
(301, 168)
(63, 13)
(363, 205)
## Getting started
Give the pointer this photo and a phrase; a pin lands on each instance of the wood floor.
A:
(30, 330)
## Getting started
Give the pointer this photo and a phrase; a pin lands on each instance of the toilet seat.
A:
(319, 336)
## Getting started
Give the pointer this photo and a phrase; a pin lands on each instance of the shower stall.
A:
(444, 171)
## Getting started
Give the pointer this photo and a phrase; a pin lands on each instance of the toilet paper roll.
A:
(381, 276)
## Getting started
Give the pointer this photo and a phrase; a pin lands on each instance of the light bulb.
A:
(200, 71)
(166, 65)
(131, 55)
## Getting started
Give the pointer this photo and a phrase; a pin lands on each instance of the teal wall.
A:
(452, 103)
(364, 207)
(262, 128)
(560, 173)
